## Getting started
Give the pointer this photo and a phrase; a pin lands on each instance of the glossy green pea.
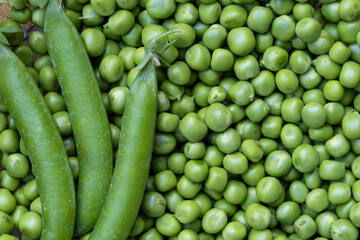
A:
(42, 62)
(160, 10)
(348, 10)
(241, 41)
(228, 141)
(252, 150)
(283, 44)
(278, 163)
(291, 135)
(187, 211)
(7, 223)
(214, 221)
(209, 13)
(47, 79)
(25, 53)
(333, 90)
(303, 10)
(259, 19)
(338, 145)
(201, 91)
(196, 170)
(235, 163)
(17, 165)
(111, 68)
(268, 189)
(258, 216)
(217, 179)
(213, 156)
(246, 67)
(324, 221)
(117, 99)
(226, 84)
(281, 7)
(286, 81)
(198, 57)
(165, 180)
(274, 58)
(167, 122)
(172, 91)
(310, 79)
(274, 102)
(349, 95)
(248, 129)
(268, 145)
(150, 234)
(287, 212)
(250, 198)
(126, 54)
(305, 226)
(31, 190)
(188, 188)
(297, 43)
(257, 110)
(339, 193)
(330, 11)
(264, 83)
(203, 201)
(218, 117)
(234, 230)
(94, 41)
(233, 16)
(227, 207)
(90, 17)
(354, 215)
(133, 36)
(239, 216)
(271, 126)
(8, 182)
(62, 121)
(343, 210)
(172, 199)
(179, 73)
(9, 141)
(263, 41)
(321, 134)
(176, 163)
(298, 191)
(235, 192)
(299, 62)
(308, 29)
(221, 60)
(200, 28)
(242, 93)
(168, 225)
(322, 44)
(37, 17)
(185, 37)
(17, 214)
(317, 200)
(164, 143)
(20, 196)
(214, 37)
(254, 174)
(210, 77)
(283, 28)
(183, 106)
(144, 19)
(314, 115)
(37, 42)
(305, 158)
(334, 112)
(7, 201)
(350, 74)
(291, 110)
(217, 94)
(348, 30)
(350, 125)
(186, 13)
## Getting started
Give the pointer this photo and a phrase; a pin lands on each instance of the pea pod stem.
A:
(87, 114)
(44, 144)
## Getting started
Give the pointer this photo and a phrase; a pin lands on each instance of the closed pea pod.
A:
(53, 172)
(95, 155)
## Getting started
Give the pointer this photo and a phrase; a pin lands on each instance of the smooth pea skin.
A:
(268, 189)
(218, 117)
(343, 229)
(305, 158)
(168, 225)
(193, 127)
(94, 41)
(332, 170)
(275, 58)
(258, 216)
(241, 41)
(305, 226)
(187, 211)
(31, 224)
(234, 230)
(214, 221)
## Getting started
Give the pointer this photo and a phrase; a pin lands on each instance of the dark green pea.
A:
(55, 102)
(339, 193)
(214, 37)
(263, 41)
(8, 182)
(62, 121)
(330, 11)
(242, 93)
(201, 92)
(349, 95)
(48, 80)
(90, 17)
(185, 37)
(188, 188)
(7, 223)
(297, 43)
(274, 58)
(164, 143)
(25, 53)
(268, 145)
(254, 174)
(283, 28)
(241, 41)
(348, 31)
(258, 216)
(288, 212)
(42, 62)
(298, 191)
(17, 214)
(331, 28)
(173, 91)
(259, 19)
(271, 126)
(337, 146)
(159, 164)
(103, 8)
(179, 73)
(194, 226)
(305, 158)
(291, 135)
(209, 13)
(167, 122)
(144, 19)
(37, 42)
(200, 28)
(305, 227)
(250, 198)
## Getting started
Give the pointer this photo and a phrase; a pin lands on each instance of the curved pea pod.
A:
(43, 143)
(87, 114)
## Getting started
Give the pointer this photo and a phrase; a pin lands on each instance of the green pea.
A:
(254, 174)
(287, 212)
(326, 67)
(167, 122)
(31, 190)
(183, 106)
(218, 117)
(94, 41)
(257, 110)
(241, 41)
(221, 60)
(7, 201)
(299, 62)
(274, 102)
(356, 190)
(252, 150)
(217, 94)
(258, 216)
(343, 210)
(153, 204)
(242, 93)
(264, 83)
(274, 58)
(235, 192)
(25, 53)
(310, 79)
(196, 170)
(17, 214)
(305, 158)
(172, 199)
(16, 37)
(246, 67)
(168, 225)
(317, 200)
(234, 230)
(321, 45)
(268, 189)
(235, 163)
(350, 74)
(343, 228)
(7, 223)
(259, 19)
(37, 42)
(283, 28)
(192, 127)
(264, 41)
(281, 7)
(186, 13)
(21, 15)
(217, 179)
(278, 163)
(305, 226)
(186, 36)
(187, 211)
(198, 57)
(233, 16)
(291, 135)
(308, 29)
(214, 37)
(173, 91)
(209, 13)
(31, 224)
(271, 126)
(339, 193)
(268, 145)
(188, 188)
(204, 202)
(213, 156)
(165, 181)
(348, 30)
(9, 141)
(286, 81)
(210, 77)
(338, 145)
(214, 221)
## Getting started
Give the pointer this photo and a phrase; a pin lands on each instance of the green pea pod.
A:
(87, 114)
(44, 144)
(135, 150)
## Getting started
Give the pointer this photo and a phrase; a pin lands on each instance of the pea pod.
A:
(87, 114)
(44, 144)
(134, 152)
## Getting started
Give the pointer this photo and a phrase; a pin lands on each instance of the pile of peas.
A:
(258, 126)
